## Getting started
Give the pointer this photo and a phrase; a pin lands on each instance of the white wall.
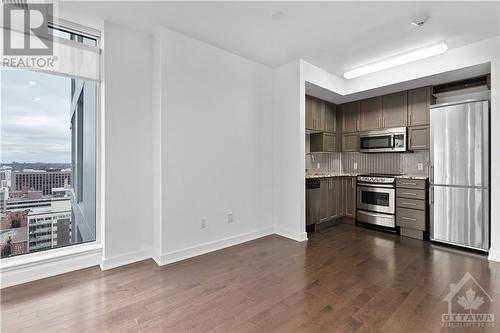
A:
(128, 140)
(216, 147)
(469, 55)
(289, 147)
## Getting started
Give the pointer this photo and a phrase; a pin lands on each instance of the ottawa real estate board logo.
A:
(468, 305)
(26, 38)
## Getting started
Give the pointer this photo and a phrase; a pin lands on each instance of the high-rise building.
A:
(26, 200)
(40, 180)
(4, 196)
(14, 233)
(50, 227)
(5, 177)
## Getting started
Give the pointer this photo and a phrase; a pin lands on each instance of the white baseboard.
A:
(494, 256)
(35, 266)
(125, 259)
(299, 237)
(171, 257)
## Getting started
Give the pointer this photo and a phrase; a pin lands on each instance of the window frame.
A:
(77, 256)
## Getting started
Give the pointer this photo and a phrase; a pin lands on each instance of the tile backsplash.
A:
(416, 163)
(403, 163)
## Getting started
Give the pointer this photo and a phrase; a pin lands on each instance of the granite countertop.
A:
(412, 177)
(347, 174)
(330, 175)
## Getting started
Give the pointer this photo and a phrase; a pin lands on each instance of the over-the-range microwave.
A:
(389, 140)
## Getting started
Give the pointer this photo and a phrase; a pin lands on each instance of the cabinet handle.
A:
(414, 184)
(408, 193)
(409, 203)
(408, 218)
(383, 122)
(357, 128)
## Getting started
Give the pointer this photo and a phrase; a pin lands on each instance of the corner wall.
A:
(215, 116)
(128, 138)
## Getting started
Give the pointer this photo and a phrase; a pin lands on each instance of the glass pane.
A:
(375, 198)
(376, 142)
(37, 205)
(61, 33)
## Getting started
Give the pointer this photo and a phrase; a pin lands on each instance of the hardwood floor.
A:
(345, 278)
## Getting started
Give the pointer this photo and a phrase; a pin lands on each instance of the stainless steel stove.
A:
(376, 200)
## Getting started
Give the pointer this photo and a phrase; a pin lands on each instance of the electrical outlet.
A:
(420, 166)
(229, 217)
(355, 166)
(203, 223)
(318, 166)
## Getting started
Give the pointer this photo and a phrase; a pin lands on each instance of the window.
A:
(47, 160)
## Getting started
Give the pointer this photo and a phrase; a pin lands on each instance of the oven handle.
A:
(376, 185)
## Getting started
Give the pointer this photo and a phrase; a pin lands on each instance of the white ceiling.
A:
(335, 36)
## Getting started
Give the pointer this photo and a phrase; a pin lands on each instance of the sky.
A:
(34, 117)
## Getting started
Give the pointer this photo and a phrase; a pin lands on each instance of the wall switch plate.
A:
(355, 166)
(318, 166)
(203, 223)
(229, 217)
(420, 166)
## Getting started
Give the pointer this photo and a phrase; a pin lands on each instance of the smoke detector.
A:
(420, 20)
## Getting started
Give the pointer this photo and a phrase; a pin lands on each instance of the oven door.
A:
(376, 199)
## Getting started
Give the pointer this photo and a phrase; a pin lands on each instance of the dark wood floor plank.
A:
(344, 279)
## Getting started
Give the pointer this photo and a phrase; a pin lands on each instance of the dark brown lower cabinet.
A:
(349, 196)
(411, 207)
(338, 198)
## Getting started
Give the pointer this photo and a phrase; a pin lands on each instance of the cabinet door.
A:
(419, 101)
(324, 194)
(350, 197)
(350, 142)
(329, 118)
(371, 114)
(350, 117)
(418, 138)
(329, 142)
(309, 113)
(395, 110)
(331, 198)
(317, 108)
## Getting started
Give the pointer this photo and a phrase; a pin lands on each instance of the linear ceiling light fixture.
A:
(397, 60)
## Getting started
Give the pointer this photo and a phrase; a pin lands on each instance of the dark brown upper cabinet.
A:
(314, 114)
(418, 137)
(330, 123)
(350, 117)
(323, 142)
(419, 101)
(395, 110)
(350, 142)
(371, 114)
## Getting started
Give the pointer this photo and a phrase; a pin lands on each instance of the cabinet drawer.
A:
(410, 203)
(410, 218)
(418, 184)
(410, 193)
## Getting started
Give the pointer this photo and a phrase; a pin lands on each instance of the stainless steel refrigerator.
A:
(459, 174)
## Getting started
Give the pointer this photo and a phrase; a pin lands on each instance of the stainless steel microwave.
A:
(389, 140)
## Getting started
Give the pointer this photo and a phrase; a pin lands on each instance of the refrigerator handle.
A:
(431, 176)
(431, 195)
